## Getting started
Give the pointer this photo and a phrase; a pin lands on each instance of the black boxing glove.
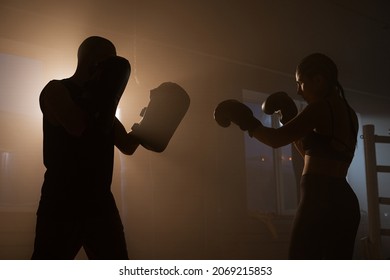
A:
(280, 102)
(231, 110)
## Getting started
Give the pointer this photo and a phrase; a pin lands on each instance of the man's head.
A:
(93, 50)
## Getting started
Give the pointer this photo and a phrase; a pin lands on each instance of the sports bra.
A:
(327, 146)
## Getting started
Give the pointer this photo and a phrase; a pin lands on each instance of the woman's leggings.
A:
(326, 221)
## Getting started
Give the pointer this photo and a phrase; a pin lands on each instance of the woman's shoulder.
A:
(317, 108)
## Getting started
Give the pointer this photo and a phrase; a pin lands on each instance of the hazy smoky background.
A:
(189, 202)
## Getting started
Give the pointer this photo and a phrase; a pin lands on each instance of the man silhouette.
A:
(77, 208)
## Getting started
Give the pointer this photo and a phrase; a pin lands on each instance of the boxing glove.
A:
(231, 110)
(167, 107)
(280, 102)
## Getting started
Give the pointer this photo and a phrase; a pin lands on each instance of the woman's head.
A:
(317, 76)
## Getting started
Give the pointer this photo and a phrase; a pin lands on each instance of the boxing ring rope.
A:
(375, 231)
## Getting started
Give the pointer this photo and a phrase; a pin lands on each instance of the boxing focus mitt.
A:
(102, 93)
(167, 106)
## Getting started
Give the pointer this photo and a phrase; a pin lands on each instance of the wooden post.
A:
(374, 236)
